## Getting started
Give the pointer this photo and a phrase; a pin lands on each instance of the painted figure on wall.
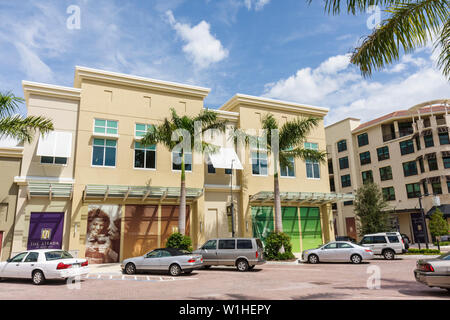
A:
(103, 234)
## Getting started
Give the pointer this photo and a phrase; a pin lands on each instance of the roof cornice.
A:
(11, 152)
(226, 115)
(267, 103)
(51, 90)
(83, 73)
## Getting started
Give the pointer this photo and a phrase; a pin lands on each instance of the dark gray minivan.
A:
(244, 253)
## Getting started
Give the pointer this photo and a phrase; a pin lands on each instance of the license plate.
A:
(75, 266)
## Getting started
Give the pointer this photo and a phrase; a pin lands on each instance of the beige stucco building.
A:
(406, 152)
(107, 197)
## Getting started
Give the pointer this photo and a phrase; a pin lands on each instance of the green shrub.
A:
(178, 241)
(423, 251)
(443, 243)
(274, 242)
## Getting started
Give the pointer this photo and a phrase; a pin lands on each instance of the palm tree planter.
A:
(168, 134)
(16, 127)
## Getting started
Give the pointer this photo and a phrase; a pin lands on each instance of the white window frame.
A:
(104, 154)
(260, 151)
(53, 163)
(287, 170)
(171, 162)
(147, 126)
(108, 135)
(145, 157)
(312, 162)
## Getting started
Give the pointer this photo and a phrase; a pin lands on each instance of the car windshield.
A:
(56, 255)
(445, 256)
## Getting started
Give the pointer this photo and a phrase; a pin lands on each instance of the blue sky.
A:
(279, 49)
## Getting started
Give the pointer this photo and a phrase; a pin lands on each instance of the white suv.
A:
(386, 244)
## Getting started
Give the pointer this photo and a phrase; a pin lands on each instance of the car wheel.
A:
(130, 268)
(174, 270)
(313, 259)
(242, 265)
(356, 259)
(38, 277)
(389, 254)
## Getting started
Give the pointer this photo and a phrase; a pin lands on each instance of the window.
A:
(417, 138)
(104, 153)
(330, 166)
(344, 246)
(153, 254)
(32, 257)
(144, 157)
(432, 164)
(446, 161)
(406, 147)
(428, 139)
(345, 181)
(437, 188)
(176, 161)
(386, 173)
(367, 240)
(211, 244)
(342, 145)
(19, 257)
(141, 129)
(425, 187)
(410, 168)
(448, 186)
(288, 171)
(53, 160)
(106, 127)
(244, 244)
(393, 239)
(383, 153)
(332, 185)
(343, 163)
(422, 167)
(348, 203)
(413, 190)
(379, 239)
(259, 163)
(211, 168)
(331, 246)
(312, 167)
(367, 176)
(363, 139)
(164, 253)
(388, 193)
(443, 138)
(364, 157)
(227, 171)
(227, 244)
(56, 255)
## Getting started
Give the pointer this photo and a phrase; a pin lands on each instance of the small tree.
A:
(370, 209)
(179, 241)
(438, 225)
(274, 242)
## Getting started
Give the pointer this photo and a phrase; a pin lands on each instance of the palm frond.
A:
(294, 133)
(9, 104)
(24, 128)
(410, 25)
(305, 154)
(354, 6)
(444, 45)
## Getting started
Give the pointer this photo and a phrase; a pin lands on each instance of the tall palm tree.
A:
(289, 145)
(163, 134)
(410, 25)
(15, 126)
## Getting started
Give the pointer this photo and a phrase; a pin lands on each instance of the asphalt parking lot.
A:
(270, 281)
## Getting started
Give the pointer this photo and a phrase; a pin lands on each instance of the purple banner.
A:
(46, 230)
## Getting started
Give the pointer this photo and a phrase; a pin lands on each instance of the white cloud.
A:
(256, 4)
(338, 85)
(201, 46)
(32, 65)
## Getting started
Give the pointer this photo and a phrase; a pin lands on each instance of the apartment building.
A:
(91, 188)
(406, 152)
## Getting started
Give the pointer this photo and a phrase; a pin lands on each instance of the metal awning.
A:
(137, 192)
(225, 158)
(303, 197)
(50, 190)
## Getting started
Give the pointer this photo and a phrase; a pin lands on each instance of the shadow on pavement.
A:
(230, 269)
(46, 283)
(320, 296)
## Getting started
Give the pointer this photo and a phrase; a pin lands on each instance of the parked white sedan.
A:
(338, 251)
(43, 264)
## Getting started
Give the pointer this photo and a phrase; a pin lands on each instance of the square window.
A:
(288, 171)
(106, 127)
(176, 161)
(104, 153)
(144, 157)
(363, 139)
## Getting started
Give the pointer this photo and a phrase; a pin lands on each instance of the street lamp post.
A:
(423, 219)
(232, 202)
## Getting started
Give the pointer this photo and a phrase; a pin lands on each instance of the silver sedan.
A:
(168, 259)
(338, 251)
(434, 272)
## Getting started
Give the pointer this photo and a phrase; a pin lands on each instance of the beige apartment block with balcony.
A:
(91, 188)
(406, 152)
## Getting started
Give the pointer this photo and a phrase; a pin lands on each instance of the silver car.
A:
(338, 251)
(434, 272)
(174, 261)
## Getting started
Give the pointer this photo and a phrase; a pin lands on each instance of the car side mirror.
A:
(9, 260)
(322, 248)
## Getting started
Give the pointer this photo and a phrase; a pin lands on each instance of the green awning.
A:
(303, 197)
(51, 190)
(138, 192)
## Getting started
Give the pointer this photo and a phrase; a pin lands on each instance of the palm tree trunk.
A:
(278, 221)
(182, 213)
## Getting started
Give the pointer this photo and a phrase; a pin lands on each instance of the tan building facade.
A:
(104, 196)
(407, 153)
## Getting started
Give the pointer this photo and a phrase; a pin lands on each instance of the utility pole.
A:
(423, 219)
(232, 202)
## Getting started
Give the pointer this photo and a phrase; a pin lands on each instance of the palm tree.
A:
(14, 126)
(291, 138)
(410, 25)
(163, 134)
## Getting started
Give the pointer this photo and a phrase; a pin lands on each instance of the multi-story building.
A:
(91, 188)
(406, 152)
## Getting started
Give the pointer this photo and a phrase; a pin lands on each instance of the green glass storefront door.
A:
(290, 226)
(311, 228)
(262, 222)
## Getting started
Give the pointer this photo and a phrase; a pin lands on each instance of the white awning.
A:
(223, 159)
(55, 144)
